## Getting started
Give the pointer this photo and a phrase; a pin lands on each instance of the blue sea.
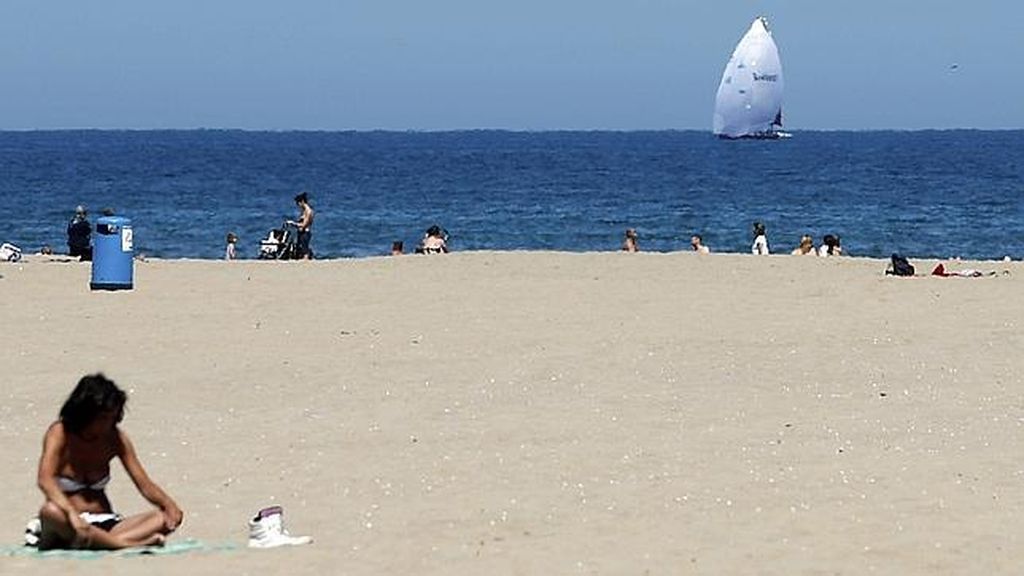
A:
(927, 194)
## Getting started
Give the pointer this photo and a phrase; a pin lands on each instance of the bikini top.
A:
(70, 485)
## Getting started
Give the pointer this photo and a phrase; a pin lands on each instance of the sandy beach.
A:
(542, 413)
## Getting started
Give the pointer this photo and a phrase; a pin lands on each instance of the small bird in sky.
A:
(954, 66)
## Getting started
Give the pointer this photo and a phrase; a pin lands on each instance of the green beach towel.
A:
(176, 547)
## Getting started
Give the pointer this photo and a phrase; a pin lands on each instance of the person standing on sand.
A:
(305, 226)
(760, 245)
(80, 235)
(74, 470)
(229, 252)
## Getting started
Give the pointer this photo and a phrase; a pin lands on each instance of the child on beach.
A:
(760, 245)
(74, 470)
(229, 252)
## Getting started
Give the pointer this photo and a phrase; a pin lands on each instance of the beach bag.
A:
(901, 266)
(9, 252)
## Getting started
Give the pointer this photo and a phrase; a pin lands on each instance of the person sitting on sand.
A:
(697, 243)
(629, 244)
(74, 470)
(760, 245)
(397, 248)
(435, 241)
(806, 247)
(830, 246)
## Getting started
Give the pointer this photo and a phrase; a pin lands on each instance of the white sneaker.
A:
(33, 530)
(266, 530)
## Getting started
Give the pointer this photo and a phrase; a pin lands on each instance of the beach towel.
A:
(172, 548)
(104, 520)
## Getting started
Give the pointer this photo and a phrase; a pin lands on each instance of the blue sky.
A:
(523, 64)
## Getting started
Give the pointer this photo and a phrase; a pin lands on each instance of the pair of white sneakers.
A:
(266, 530)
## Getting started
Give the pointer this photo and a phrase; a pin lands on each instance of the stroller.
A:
(280, 244)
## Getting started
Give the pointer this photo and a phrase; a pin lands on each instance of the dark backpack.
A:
(900, 266)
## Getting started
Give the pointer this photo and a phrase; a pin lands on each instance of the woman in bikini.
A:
(74, 469)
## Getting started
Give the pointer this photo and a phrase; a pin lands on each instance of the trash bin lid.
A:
(119, 221)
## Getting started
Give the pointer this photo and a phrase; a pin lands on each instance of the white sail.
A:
(749, 99)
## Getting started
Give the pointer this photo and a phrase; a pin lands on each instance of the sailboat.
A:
(749, 99)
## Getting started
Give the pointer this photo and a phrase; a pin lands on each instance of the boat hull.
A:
(757, 136)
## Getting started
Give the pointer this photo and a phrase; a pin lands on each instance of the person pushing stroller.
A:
(291, 240)
(305, 227)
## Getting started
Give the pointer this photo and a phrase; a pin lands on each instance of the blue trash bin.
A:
(112, 254)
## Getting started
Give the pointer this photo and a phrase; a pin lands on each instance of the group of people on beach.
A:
(292, 242)
(79, 232)
(830, 245)
(434, 241)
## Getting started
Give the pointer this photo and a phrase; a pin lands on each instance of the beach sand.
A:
(542, 413)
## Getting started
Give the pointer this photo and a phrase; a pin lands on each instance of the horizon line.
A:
(488, 130)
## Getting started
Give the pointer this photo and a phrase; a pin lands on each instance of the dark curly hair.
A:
(93, 395)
